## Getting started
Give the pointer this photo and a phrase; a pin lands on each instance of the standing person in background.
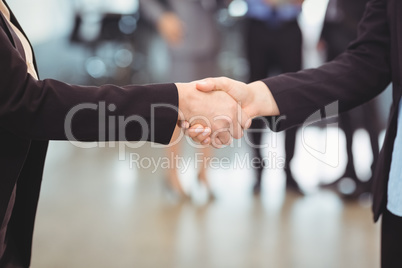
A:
(339, 29)
(274, 43)
(190, 31)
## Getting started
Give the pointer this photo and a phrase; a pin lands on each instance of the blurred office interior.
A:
(107, 204)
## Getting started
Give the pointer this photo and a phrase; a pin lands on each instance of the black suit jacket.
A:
(33, 112)
(339, 30)
(370, 63)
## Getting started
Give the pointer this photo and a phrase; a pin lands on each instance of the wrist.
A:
(263, 103)
(186, 100)
(181, 92)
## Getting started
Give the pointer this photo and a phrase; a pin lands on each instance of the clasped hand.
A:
(213, 111)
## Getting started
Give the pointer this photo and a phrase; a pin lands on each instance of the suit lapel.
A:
(16, 41)
(14, 38)
(8, 30)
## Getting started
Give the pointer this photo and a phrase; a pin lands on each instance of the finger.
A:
(199, 134)
(222, 134)
(207, 141)
(197, 130)
(183, 124)
(244, 119)
(235, 126)
(235, 130)
(238, 132)
(202, 139)
(216, 142)
(225, 138)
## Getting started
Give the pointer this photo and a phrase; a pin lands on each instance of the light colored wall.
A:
(44, 20)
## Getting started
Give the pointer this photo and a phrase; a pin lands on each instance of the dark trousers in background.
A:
(273, 49)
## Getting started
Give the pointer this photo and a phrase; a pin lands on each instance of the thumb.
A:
(232, 87)
(237, 90)
(216, 84)
(207, 85)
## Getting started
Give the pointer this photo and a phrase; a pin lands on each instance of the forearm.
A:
(299, 95)
(52, 110)
(358, 75)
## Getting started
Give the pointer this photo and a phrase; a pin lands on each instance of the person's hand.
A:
(254, 98)
(171, 28)
(215, 110)
(199, 134)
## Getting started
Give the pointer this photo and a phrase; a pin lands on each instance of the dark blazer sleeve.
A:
(356, 76)
(39, 110)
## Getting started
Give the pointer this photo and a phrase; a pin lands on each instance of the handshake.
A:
(213, 111)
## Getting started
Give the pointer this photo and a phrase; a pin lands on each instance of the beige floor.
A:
(96, 211)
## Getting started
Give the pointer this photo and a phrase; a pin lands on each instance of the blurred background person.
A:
(273, 41)
(339, 29)
(190, 31)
